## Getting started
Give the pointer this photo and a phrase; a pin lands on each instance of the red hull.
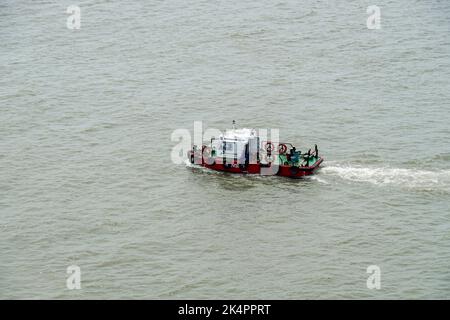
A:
(258, 168)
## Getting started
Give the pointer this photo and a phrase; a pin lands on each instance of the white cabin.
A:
(236, 144)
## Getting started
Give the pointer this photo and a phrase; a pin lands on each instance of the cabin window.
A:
(229, 146)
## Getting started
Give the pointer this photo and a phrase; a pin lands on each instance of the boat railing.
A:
(264, 142)
(312, 152)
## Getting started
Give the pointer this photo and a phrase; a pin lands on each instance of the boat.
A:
(244, 151)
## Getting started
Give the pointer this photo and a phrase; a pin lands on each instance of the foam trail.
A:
(200, 168)
(189, 164)
(413, 178)
(316, 178)
(402, 177)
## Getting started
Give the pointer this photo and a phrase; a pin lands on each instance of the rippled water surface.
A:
(86, 118)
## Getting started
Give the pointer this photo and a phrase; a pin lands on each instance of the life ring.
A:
(282, 148)
(294, 170)
(268, 146)
(206, 150)
(206, 155)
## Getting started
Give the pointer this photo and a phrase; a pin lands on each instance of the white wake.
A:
(402, 177)
(413, 178)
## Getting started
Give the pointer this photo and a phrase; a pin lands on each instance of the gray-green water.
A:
(85, 172)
